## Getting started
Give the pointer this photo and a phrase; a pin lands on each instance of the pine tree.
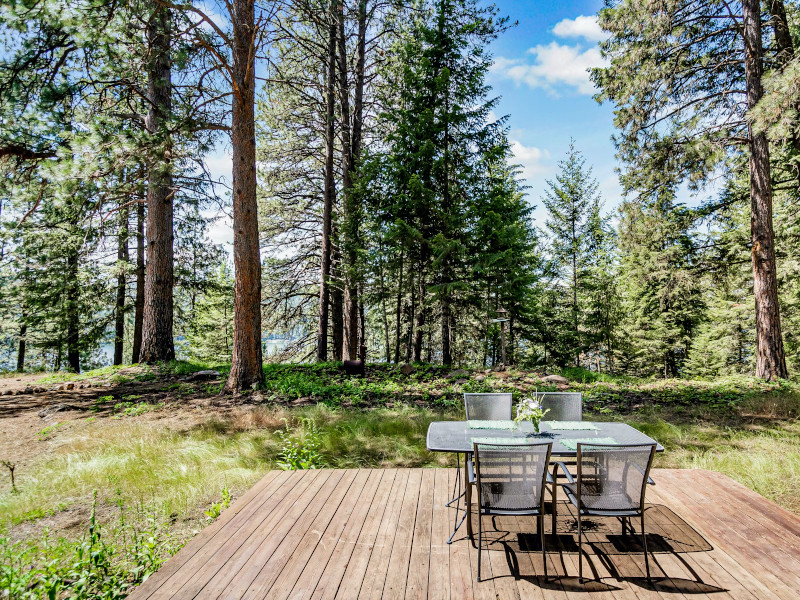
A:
(573, 206)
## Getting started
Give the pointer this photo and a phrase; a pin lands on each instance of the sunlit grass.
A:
(182, 472)
(766, 459)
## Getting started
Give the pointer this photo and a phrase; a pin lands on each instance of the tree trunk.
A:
(138, 317)
(337, 306)
(447, 357)
(784, 49)
(119, 309)
(783, 35)
(23, 340)
(351, 149)
(398, 309)
(329, 192)
(420, 320)
(157, 342)
(73, 316)
(770, 360)
(246, 362)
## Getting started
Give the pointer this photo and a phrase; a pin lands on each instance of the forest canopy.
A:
(376, 203)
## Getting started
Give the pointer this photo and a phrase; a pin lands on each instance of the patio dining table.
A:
(459, 436)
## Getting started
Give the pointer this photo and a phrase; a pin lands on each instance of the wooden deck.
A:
(382, 534)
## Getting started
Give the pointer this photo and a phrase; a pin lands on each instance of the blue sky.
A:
(540, 76)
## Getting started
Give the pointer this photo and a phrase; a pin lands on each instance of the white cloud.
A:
(221, 231)
(531, 159)
(554, 65)
(219, 165)
(580, 27)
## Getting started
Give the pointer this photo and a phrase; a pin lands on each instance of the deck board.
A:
(371, 534)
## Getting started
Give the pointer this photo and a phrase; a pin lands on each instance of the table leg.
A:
(468, 498)
(458, 494)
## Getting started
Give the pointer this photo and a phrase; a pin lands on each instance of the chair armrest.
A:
(564, 468)
(641, 470)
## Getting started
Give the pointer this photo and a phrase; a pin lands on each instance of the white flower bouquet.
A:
(530, 409)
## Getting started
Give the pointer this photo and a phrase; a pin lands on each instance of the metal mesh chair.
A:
(611, 482)
(488, 407)
(510, 480)
(564, 406)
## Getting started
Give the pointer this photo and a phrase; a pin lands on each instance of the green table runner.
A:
(571, 425)
(572, 444)
(491, 424)
(501, 441)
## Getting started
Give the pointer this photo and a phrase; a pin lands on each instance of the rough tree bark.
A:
(770, 359)
(350, 341)
(246, 362)
(337, 301)
(119, 309)
(138, 316)
(329, 191)
(157, 342)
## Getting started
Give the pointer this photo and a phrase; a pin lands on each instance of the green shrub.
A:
(92, 568)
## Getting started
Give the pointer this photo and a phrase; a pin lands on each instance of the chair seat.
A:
(612, 503)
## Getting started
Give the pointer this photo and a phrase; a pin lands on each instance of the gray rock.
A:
(459, 374)
(28, 390)
(52, 409)
(480, 377)
(555, 379)
(407, 369)
(203, 375)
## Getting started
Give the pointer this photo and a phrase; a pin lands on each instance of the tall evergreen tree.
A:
(573, 206)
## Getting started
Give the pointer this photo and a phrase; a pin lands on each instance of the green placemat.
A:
(571, 425)
(572, 444)
(491, 424)
(501, 441)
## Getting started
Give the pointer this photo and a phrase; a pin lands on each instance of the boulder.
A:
(480, 377)
(461, 381)
(8, 393)
(28, 390)
(458, 374)
(555, 379)
(407, 369)
(52, 409)
(203, 375)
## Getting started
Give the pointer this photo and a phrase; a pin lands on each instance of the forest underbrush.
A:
(150, 455)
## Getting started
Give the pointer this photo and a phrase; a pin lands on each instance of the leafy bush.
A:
(92, 568)
(301, 447)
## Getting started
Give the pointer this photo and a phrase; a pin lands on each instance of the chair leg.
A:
(580, 549)
(555, 497)
(480, 542)
(644, 544)
(541, 538)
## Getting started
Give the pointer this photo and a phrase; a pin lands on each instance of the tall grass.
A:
(183, 471)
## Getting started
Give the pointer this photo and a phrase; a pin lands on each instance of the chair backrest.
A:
(564, 406)
(613, 477)
(511, 476)
(488, 407)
